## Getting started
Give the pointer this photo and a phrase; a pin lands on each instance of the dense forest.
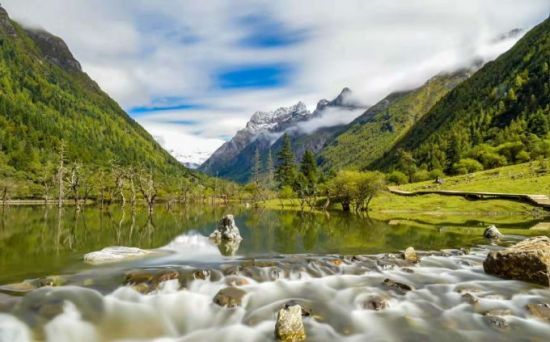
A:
(499, 116)
(48, 104)
(382, 125)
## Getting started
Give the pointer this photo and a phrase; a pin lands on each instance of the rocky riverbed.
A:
(413, 295)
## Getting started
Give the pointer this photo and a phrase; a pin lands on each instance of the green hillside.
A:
(46, 99)
(372, 134)
(499, 116)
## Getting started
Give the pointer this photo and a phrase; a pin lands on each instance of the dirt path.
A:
(542, 201)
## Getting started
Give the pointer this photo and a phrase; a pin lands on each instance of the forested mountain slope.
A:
(380, 127)
(45, 98)
(499, 116)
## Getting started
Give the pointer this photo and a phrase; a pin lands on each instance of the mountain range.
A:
(263, 132)
(482, 116)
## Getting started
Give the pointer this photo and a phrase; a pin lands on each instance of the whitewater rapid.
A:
(449, 300)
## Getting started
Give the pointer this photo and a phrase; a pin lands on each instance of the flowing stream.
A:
(345, 271)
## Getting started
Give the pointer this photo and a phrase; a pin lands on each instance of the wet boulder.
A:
(227, 230)
(396, 286)
(229, 297)
(410, 255)
(470, 298)
(376, 303)
(306, 310)
(528, 260)
(145, 281)
(496, 318)
(289, 326)
(492, 233)
(236, 281)
(541, 311)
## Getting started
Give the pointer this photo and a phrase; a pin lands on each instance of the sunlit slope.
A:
(45, 98)
(499, 116)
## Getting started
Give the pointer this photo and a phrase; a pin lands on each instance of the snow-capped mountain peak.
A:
(262, 125)
(269, 120)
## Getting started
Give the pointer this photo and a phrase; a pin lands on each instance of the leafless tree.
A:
(120, 177)
(74, 181)
(131, 175)
(5, 190)
(185, 189)
(148, 188)
(61, 175)
(47, 181)
(102, 187)
(88, 185)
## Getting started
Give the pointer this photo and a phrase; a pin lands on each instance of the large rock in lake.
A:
(227, 230)
(528, 260)
(114, 254)
(492, 233)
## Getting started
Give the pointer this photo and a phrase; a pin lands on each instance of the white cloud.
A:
(330, 117)
(140, 50)
(187, 148)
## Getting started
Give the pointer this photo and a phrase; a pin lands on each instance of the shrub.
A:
(436, 173)
(421, 175)
(523, 156)
(397, 177)
(467, 165)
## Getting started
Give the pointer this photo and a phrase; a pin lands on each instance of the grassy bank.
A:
(529, 178)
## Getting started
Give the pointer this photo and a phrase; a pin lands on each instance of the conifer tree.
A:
(308, 168)
(257, 167)
(286, 168)
(269, 170)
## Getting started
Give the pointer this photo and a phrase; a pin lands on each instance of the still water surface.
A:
(284, 256)
(38, 241)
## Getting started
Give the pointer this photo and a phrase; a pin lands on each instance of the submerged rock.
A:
(145, 281)
(410, 255)
(494, 317)
(7, 303)
(233, 280)
(470, 298)
(399, 287)
(376, 303)
(229, 297)
(492, 233)
(289, 326)
(114, 254)
(528, 260)
(41, 306)
(541, 311)
(226, 230)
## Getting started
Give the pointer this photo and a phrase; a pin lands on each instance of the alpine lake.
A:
(335, 265)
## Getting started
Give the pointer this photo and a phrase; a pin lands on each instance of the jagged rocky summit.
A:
(264, 131)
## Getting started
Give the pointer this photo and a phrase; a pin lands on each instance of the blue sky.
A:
(193, 72)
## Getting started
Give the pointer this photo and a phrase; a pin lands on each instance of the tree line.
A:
(285, 179)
